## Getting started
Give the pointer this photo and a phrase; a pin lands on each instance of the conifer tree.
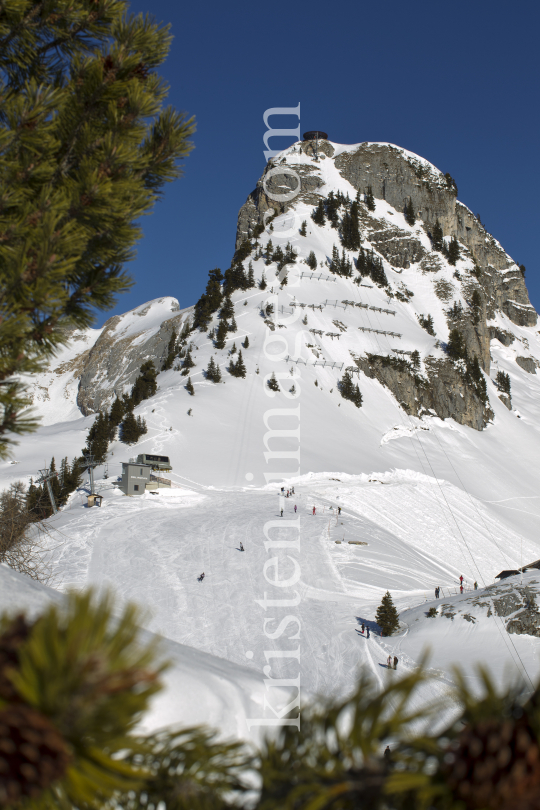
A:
(97, 440)
(208, 303)
(273, 384)
(427, 324)
(250, 277)
(116, 413)
(303, 231)
(503, 382)
(189, 387)
(240, 370)
(350, 390)
(311, 260)
(227, 310)
(233, 348)
(87, 146)
(410, 216)
(369, 199)
(262, 282)
(269, 252)
(129, 431)
(387, 616)
(141, 426)
(415, 359)
(221, 335)
(187, 363)
(437, 237)
(213, 372)
(233, 327)
(319, 215)
(456, 347)
(245, 344)
(453, 251)
(476, 306)
(145, 385)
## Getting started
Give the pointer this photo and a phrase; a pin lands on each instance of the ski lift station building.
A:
(135, 477)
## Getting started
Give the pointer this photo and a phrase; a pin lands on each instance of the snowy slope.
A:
(432, 499)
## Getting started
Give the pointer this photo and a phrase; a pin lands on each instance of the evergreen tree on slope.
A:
(387, 616)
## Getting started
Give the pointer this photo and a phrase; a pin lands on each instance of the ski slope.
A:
(430, 500)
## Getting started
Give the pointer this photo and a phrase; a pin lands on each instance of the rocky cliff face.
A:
(398, 176)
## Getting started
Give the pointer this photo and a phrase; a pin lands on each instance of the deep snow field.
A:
(429, 500)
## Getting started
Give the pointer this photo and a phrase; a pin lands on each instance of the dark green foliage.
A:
(456, 311)
(171, 352)
(269, 252)
(453, 251)
(245, 344)
(87, 146)
(262, 283)
(427, 324)
(250, 277)
(350, 390)
(370, 265)
(332, 204)
(410, 216)
(237, 369)
(523, 269)
(97, 440)
(273, 384)
(131, 429)
(213, 372)
(311, 260)
(503, 382)
(233, 327)
(387, 616)
(369, 199)
(236, 278)
(210, 300)
(145, 385)
(476, 306)
(319, 215)
(341, 265)
(116, 413)
(189, 387)
(187, 363)
(415, 359)
(221, 335)
(227, 310)
(456, 348)
(437, 237)
(451, 183)
(303, 231)
(432, 612)
(233, 349)
(475, 378)
(350, 228)
(244, 250)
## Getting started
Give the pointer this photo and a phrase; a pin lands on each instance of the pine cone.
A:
(10, 641)
(495, 765)
(32, 754)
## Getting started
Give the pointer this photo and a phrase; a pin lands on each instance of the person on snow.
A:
(461, 580)
(282, 513)
(201, 577)
(283, 489)
(476, 586)
(389, 662)
(368, 632)
(313, 510)
(363, 627)
(395, 661)
(295, 508)
(292, 491)
(437, 592)
(339, 510)
(241, 546)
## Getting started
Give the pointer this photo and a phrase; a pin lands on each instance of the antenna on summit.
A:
(314, 135)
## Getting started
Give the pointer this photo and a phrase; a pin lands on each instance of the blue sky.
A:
(456, 83)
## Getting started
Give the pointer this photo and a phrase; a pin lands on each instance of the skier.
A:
(389, 662)
(282, 513)
(339, 510)
(476, 586)
(395, 661)
(201, 577)
(241, 546)
(313, 510)
(461, 588)
(363, 627)
(283, 489)
(368, 632)
(436, 593)
(292, 491)
(295, 507)
(461, 580)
